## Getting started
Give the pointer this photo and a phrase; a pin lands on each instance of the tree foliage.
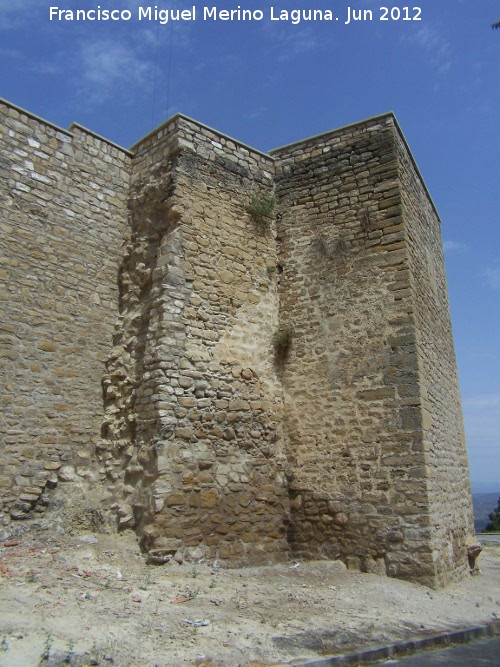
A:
(493, 526)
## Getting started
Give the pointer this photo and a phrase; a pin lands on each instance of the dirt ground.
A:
(92, 600)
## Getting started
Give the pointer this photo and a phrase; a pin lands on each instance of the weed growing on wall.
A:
(282, 340)
(260, 209)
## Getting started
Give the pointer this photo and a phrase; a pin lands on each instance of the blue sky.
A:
(269, 83)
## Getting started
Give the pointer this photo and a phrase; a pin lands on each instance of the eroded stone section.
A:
(148, 343)
(194, 439)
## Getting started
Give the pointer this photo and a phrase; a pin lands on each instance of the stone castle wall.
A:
(63, 204)
(438, 409)
(149, 274)
(200, 440)
(359, 489)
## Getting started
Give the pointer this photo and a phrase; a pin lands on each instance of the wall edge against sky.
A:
(131, 151)
(86, 130)
(35, 117)
(176, 116)
(371, 119)
(67, 131)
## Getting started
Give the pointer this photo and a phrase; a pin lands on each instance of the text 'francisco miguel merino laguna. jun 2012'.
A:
(213, 13)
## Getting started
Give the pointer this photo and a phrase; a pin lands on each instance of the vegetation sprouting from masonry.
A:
(260, 209)
(282, 340)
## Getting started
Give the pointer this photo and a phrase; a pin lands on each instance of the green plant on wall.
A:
(260, 209)
(282, 340)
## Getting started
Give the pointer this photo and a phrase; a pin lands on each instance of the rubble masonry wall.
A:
(365, 486)
(204, 461)
(63, 202)
(139, 298)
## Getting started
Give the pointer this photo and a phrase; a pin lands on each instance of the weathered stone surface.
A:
(474, 548)
(366, 381)
(346, 444)
(159, 556)
(175, 499)
(67, 474)
(151, 531)
(28, 497)
(126, 521)
(52, 465)
(209, 498)
(62, 222)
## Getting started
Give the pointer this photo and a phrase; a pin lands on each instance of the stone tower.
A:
(372, 410)
(142, 292)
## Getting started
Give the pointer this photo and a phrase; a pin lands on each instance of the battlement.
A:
(239, 356)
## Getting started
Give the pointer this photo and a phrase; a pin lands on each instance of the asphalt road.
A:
(481, 653)
(488, 538)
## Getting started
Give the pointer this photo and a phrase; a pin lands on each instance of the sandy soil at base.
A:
(92, 600)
